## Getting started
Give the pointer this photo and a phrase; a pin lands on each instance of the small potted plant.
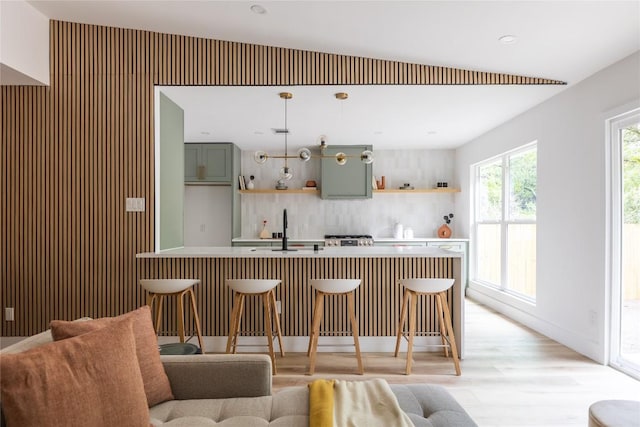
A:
(444, 232)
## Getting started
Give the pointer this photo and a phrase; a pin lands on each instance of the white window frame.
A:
(614, 234)
(504, 221)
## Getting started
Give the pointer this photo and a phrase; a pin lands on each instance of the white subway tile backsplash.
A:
(311, 217)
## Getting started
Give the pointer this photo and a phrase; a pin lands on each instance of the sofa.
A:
(236, 390)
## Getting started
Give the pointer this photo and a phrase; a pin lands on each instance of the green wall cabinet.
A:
(208, 162)
(349, 181)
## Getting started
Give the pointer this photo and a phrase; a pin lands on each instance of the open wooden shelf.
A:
(274, 191)
(419, 190)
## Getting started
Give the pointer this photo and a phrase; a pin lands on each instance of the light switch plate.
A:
(135, 204)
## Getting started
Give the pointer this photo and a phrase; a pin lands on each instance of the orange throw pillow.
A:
(156, 383)
(91, 380)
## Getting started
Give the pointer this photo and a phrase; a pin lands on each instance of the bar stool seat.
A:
(265, 289)
(159, 288)
(428, 287)
(328, 287)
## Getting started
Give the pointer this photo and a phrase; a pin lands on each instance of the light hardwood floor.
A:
(511, 376)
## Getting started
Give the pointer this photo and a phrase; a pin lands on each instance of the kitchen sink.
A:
(291, 249)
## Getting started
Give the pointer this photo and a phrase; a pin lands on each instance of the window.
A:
(505, 222)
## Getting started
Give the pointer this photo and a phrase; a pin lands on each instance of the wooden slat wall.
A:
(72, 152)
(378, 299)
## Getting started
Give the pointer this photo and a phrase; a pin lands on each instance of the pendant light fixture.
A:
(261, 156)
(304, 154)
(285, 172)
(366, 156)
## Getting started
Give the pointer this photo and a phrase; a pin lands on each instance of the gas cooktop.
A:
(348, 240)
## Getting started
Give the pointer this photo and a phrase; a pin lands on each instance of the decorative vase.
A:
(250, 184)
(444, 232)
(264, 234)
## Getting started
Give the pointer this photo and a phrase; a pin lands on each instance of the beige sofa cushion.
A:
(288, 408)
(90, 380)
(156, 383)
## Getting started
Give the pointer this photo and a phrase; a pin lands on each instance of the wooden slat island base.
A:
(378, 299)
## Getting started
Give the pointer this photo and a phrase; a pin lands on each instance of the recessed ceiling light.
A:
(256, 8)
(257, 132)
(378, 132)
(432, 132)
(508, 39)
(205, 133)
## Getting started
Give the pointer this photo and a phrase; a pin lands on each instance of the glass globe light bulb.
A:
(260, 157)
(286, 173)
(304, 154)
(366, 157)
(341, 158)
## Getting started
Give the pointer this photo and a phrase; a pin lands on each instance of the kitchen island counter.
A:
(324, 252)
(378, 298)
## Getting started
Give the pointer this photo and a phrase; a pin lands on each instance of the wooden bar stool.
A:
(160, 288)
(265, 289)
(327, 287)
(438, 289)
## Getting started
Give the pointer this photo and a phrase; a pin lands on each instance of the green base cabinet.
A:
(349, 181)
(208, 163)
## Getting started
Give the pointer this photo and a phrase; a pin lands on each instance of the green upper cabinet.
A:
(349, 181)
(208, 162)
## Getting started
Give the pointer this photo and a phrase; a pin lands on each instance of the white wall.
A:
(207, 215)
(24, 44)
(311, 217)
(572, 305)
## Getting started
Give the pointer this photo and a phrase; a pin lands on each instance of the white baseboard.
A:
(300, 344)
(293, 344)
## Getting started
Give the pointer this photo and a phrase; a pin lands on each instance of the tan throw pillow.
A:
(156, 383)
(91, 380)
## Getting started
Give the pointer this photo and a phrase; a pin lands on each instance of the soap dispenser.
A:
(398, 231)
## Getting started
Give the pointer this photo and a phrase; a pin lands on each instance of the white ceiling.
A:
(561, 40)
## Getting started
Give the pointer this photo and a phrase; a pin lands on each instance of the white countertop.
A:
(255, 239)
(417, 239)
(377, 239)
(268, 252)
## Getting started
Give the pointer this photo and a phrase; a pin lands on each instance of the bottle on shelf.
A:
(264, 234)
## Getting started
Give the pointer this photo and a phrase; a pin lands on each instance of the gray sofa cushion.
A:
(430, 405)
(216, 376)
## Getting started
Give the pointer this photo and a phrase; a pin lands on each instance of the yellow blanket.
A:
(354, 403)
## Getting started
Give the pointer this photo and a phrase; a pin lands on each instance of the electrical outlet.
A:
(593, 318)
(9, 314)
(278, 307)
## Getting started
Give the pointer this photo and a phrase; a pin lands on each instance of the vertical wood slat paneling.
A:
(72, 152)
